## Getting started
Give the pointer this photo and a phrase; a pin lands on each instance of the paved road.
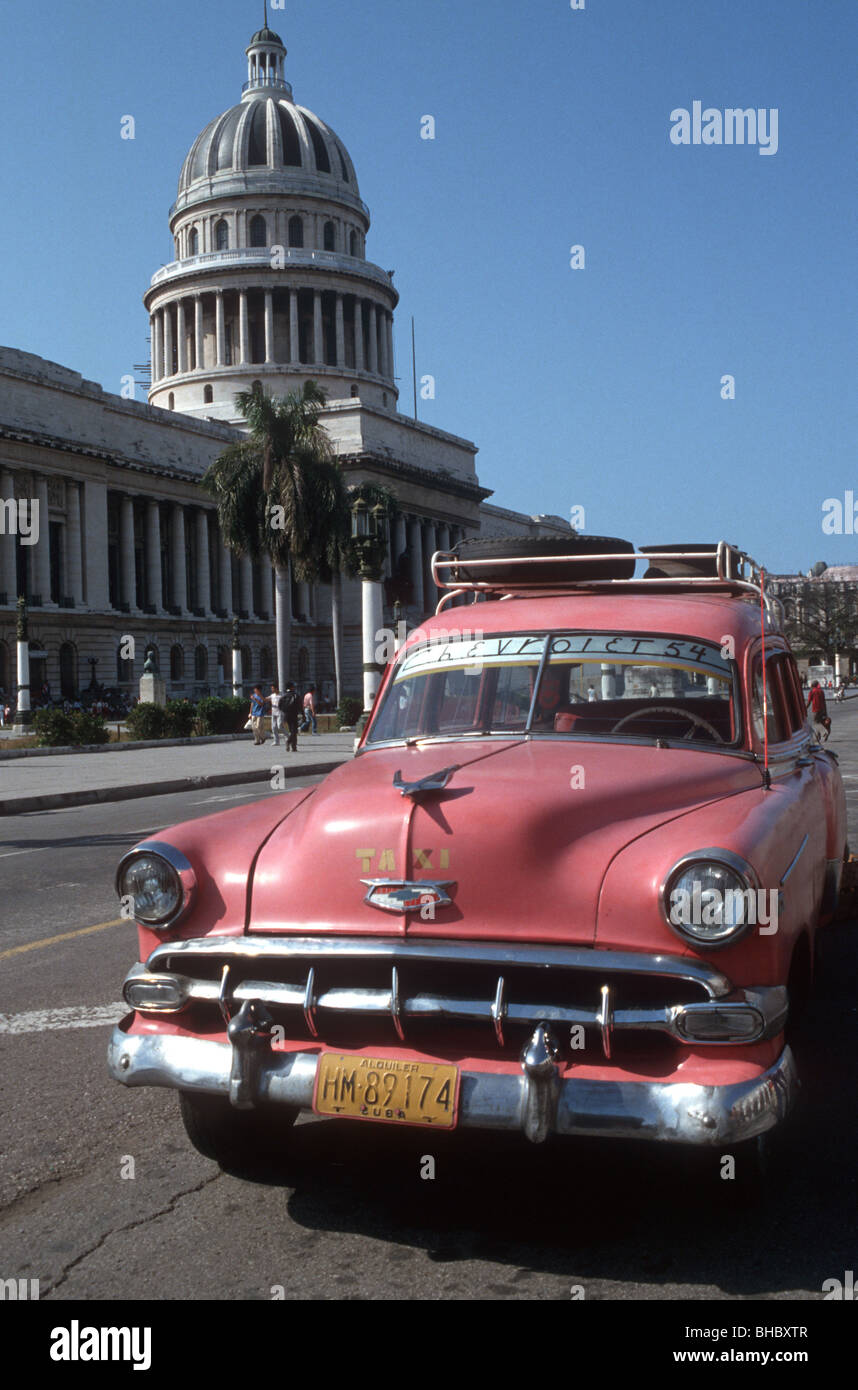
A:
(347, 1215)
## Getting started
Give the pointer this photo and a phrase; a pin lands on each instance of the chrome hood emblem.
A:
(432, 782)
(407, 895)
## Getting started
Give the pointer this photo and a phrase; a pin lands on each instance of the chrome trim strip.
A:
(606, 1019)
(309, 1002)
(675, 1112)
(795, 860)
(499, 1010)
(282, 946)
(395, 1008)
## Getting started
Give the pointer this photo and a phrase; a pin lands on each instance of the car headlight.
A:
(710, 898)
(160, 882)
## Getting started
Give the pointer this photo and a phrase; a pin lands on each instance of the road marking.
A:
(64, 936)
(39, 1020)
(86, 842)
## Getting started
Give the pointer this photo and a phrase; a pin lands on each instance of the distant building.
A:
(821, 612)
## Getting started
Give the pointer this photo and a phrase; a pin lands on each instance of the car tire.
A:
(239, 1141)
(620, 565)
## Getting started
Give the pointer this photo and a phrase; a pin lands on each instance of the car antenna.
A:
(767, 776)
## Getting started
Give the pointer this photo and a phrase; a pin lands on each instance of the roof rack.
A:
(734, 571)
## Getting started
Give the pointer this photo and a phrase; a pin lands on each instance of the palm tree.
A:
(280, 493)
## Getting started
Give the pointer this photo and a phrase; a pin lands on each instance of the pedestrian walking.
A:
(819, 712)
(291, 707)
(257, 713)
(275, 700)
(310, 712)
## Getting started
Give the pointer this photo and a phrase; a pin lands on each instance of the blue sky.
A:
(598, 387)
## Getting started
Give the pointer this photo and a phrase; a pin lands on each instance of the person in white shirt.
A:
(275, 700)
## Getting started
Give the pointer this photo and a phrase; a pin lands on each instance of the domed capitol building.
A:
(270, 283)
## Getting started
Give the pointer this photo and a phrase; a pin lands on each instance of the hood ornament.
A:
(432, 782)
(408, 895)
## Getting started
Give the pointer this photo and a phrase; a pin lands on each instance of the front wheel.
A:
(237, 1140)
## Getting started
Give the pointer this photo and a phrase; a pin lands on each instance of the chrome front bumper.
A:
(537, 1102)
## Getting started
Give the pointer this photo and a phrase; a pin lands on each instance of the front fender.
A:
(766, 828)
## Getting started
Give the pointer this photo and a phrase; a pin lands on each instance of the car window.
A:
(590, 685)
(774, 725)
(793, 704)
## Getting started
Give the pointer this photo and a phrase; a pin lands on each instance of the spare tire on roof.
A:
(501, 549)
(699, 561)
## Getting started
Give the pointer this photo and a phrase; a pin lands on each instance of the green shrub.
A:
(147, 721)
(89, 728)
(56, 729)
(219, 716)
(53, 728)
(180, 718)
(349, 710)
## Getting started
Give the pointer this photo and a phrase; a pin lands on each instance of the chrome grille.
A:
(358, 989)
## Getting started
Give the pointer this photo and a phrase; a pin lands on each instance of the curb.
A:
(50, 801)
(131, 746)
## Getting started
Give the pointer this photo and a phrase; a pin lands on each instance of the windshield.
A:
(581, 684)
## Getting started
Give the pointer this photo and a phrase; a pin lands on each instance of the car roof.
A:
(709, 616)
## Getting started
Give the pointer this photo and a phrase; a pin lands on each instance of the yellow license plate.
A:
(387, 1089)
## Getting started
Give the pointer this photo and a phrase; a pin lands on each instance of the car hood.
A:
(524, 832)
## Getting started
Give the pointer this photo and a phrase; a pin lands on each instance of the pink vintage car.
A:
(571, 883)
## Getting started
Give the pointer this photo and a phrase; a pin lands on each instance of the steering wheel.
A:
(694, 719)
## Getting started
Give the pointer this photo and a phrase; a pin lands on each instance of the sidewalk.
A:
(62, 779)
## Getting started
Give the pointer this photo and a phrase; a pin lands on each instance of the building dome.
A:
(270, 281)
(266, 140)
(267, 136)
(267, 35)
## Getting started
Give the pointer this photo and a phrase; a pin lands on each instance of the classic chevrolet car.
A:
(571, 883)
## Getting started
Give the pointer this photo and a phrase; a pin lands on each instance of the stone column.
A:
(154, 354)
(199, 344)
(318, 342)
(443, 538)
(168, 341)
(8, 562)
(269, 325)
(430, 590)
(341, 333)
(294, 336)
(42, 549)
(225, 580)
(180, 571)
(154, 594)
(127, 585)
(359, 360)
(242, 326)
(94, 527)
(373, 340)
(204, 579)
(220, 329)
(388, 319)
(400, 539)
(181, 337)
(415, 545)
(245, 570)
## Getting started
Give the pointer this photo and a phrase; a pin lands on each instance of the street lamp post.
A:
(22, 705)
(369, 549)
(237, 683)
